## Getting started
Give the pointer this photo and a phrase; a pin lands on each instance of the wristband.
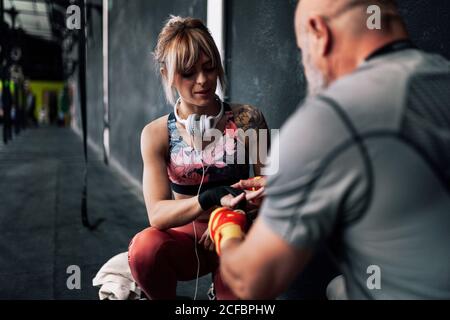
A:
(211, 197)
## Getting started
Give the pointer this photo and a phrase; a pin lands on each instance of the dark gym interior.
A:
(74, 103)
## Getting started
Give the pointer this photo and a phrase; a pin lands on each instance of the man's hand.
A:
(207, 241)
(256, 184)
(252, 183)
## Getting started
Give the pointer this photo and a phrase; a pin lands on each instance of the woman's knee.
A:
(144, 247)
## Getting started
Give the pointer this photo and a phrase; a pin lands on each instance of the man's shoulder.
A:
(373, 95)
(386, 77)
(376, 93)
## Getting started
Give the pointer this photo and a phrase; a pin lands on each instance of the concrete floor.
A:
(41, 231)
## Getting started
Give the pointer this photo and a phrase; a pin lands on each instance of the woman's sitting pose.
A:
(186, 177)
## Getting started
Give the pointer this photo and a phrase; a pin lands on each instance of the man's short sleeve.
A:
(321, 177)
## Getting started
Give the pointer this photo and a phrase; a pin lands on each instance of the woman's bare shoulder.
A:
(247, 116)
(155, 134)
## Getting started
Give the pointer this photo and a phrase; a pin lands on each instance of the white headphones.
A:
(199, 124)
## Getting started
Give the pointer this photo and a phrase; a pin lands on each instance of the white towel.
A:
(116, 280)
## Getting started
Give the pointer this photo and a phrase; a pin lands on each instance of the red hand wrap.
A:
(225, 224)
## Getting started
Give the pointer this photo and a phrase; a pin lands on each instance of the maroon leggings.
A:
(158, 259)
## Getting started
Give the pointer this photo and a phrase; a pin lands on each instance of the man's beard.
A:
(315, 78)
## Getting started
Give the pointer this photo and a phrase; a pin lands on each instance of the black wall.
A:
(428, 23)
(263, 63)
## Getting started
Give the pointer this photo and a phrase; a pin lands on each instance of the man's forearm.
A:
(229, 246)
(246, 283)
(229, 267)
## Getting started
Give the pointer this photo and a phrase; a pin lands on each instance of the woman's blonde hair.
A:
(180, 44)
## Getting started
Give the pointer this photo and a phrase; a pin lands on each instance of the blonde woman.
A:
(183, 182)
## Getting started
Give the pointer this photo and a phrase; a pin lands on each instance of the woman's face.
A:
(198, 86)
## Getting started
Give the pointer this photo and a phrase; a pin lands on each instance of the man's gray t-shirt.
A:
(365, 166)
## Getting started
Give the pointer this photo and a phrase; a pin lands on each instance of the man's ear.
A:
(321, 32)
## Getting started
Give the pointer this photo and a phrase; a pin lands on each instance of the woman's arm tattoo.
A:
(247, 117)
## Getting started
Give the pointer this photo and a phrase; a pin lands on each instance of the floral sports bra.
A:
(218, 160)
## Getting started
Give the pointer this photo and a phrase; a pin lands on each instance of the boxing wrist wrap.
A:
(211, 197)
(225, 224)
